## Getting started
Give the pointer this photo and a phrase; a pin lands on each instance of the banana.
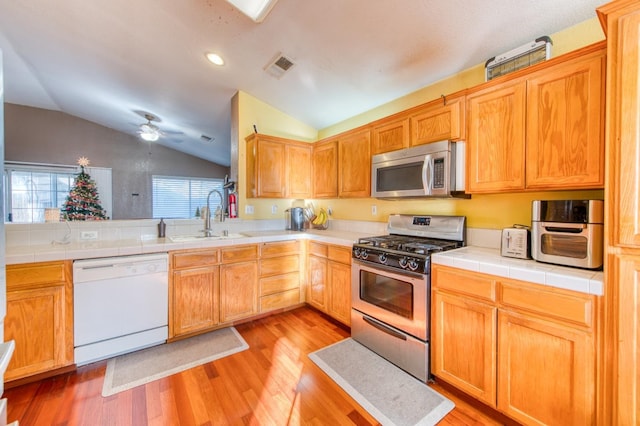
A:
(321, 218)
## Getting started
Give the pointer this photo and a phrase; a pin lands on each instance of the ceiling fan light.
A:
(215, 59)
(150, 136)
(254, 9)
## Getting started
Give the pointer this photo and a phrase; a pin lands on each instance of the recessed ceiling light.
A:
(254, 9)
(214, 58)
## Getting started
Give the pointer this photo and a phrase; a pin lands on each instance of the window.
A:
(30, 188)
(180, 197)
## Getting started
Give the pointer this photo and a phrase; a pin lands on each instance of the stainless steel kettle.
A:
(294, 219)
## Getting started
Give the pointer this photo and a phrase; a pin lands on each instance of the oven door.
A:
(399, 299)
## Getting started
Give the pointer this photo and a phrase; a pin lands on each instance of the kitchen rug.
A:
(388, 393)
(137, 368)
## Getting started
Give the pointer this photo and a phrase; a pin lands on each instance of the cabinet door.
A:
(35, 320)
(439, 120)
(271, 169)
(390, 136)
(195, 300)
(339, 278)
(565, 132)
(325, 170)
(546, 371)
(496, 138)
(354, 177)
(463, 344)
(238, 291)
(317, 290)
(298, 169)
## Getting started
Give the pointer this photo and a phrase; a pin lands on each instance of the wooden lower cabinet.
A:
(525, 349)
(238, 283)
(280, 270)
(193, 291)
(329, 280)
(39, 317)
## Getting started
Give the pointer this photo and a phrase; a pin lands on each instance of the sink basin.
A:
(186, 238)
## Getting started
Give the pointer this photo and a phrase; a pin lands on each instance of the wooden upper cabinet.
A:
(278, 167)
(496, 139)
(442, 119)
(565, 132)
(354, 160)
(298, 169)
(390, 135)
(325, 169)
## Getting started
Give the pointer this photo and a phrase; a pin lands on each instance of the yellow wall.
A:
(483, 211)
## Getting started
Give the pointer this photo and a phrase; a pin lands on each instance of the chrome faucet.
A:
(207, 219)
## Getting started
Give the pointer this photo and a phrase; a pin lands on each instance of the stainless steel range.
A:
(391, 285)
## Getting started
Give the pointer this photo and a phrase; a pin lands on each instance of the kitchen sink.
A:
(186, 238)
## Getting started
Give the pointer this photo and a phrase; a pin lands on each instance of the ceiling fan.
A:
(150, 132)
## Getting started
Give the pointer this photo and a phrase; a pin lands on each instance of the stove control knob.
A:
(356, 253)
(403, 262)
(364, 254)
(413, 264)
(382, 258)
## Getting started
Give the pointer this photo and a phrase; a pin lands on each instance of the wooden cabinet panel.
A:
(577, 308)
(390, 136)
(39, 317)
(339, 278)
(279, 265)
(317, 283)
(318, 249)
(565, 132)
(279, 248)
(195, 258)
(463, 350)
(239, 253)
(463, 282)
(546, 371)
(279, 283)
(280, 300)
(195, 300)
(325, 169)
(270, 169)
(238, 291)
(354, 159)
(496, 139)
(339, 254)
(298, 170)
(438, 120)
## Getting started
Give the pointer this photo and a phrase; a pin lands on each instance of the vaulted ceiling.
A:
(110, 62)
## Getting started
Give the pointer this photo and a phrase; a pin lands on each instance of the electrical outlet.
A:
(374, 210)
(89, 235)
(248, 209)
(274, 209)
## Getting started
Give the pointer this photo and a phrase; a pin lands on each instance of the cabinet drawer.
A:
(460, 281)
(555, 303)
(279, 248)
(239, 253)
(340, 254)
(318, 249)
(191, 259)
(279, 265)
(35, 274)
(279, 283)
(280, 300)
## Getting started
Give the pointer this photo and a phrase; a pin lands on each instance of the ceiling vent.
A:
(521, 57)
(278, 66)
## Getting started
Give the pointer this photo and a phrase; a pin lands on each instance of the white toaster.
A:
(516, 242)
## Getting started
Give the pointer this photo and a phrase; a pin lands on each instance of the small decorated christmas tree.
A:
(83, 202)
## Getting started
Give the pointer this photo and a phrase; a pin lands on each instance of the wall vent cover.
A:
(278, 66)
(521, 57)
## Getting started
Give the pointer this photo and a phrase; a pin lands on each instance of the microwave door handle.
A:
(427, 174)
(563, 228)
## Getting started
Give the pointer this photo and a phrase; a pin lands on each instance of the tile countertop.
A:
(489, 261)
(125, 247)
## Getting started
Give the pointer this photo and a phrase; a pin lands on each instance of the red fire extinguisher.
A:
(233, 205)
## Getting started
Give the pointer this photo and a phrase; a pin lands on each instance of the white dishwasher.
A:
(120, 305)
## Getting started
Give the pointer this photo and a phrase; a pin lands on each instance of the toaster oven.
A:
(568, 232)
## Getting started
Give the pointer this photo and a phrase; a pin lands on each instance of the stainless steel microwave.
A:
(431, 170)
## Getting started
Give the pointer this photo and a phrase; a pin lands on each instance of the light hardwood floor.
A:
(271, 383)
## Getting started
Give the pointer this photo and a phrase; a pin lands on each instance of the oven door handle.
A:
(384, 328)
